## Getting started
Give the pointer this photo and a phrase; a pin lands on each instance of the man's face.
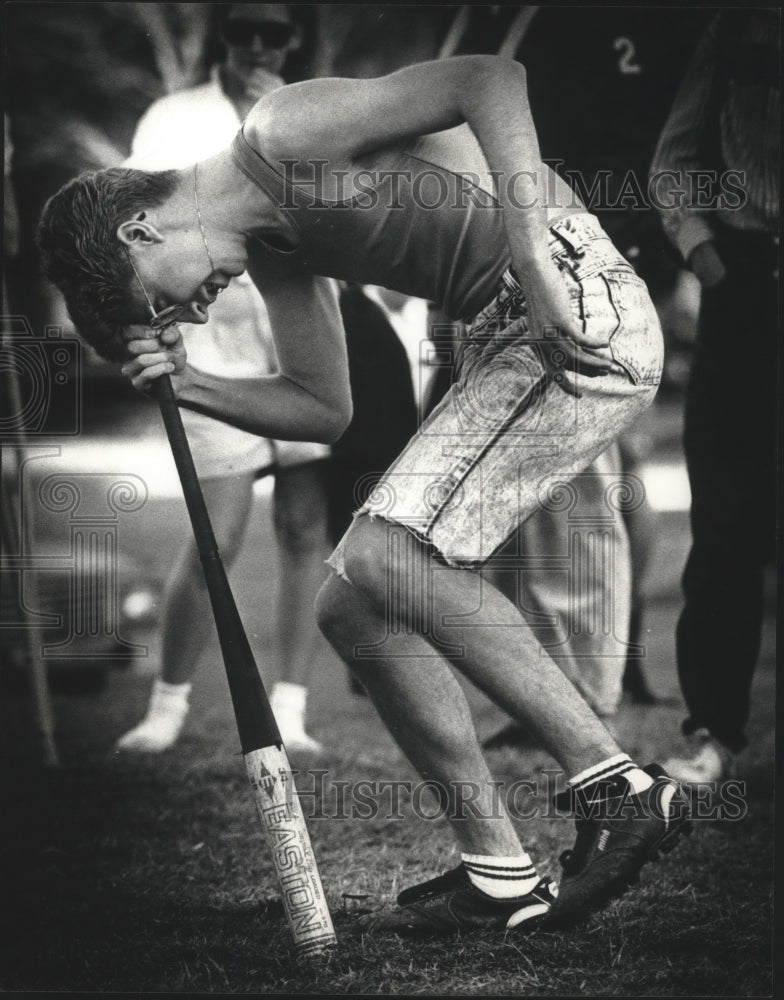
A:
(258, 38)
(177, 272)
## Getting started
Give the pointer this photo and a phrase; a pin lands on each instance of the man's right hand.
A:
(152, 354)
(705, 263)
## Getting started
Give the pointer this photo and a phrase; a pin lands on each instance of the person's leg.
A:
(186, 617)
(569, 572)
(730, 451)
(401, 609)
(641, 523)
(300, 519)
(496, 649)
(422, 706)
(425, 710)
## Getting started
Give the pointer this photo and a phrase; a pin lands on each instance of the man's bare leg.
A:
(424, 708)
(499, 653)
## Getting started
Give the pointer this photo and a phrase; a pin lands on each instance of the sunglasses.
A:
(273, 34)
(166, 317)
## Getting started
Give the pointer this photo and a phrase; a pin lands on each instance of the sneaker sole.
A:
(527, 919)
(527, 924)
(577, 910)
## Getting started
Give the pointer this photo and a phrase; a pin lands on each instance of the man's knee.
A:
(335, 609)
(365, 554)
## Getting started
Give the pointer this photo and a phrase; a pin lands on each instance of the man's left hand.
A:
(555, 329)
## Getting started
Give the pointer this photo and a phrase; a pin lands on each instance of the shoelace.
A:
(573, 859)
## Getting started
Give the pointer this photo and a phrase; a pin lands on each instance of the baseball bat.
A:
(269, 772)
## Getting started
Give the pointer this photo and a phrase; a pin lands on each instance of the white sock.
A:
(620, 764)
(501, 877)
(289, 697)
(288, 703)
(160, 727)
(288, 706)
(175, 693)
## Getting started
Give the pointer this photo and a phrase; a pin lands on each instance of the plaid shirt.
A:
(725, 117)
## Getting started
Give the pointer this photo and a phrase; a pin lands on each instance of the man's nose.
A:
(257, 45)
(197, 313)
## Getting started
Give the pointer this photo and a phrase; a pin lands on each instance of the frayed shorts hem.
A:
(337, 561)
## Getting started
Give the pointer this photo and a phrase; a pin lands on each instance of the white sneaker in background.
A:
(711, 761)
(161, 726)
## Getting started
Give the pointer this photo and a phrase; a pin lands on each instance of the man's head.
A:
(258, 38)
(84, 258)
(121, 244)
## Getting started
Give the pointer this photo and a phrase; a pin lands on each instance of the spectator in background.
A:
(726, 118)
(634, 58)
(236, 343)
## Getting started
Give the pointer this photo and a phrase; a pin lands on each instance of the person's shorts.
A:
(221, 451)
(506, 438)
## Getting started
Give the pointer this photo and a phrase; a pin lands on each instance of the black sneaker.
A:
(617, 833)
(451, 903)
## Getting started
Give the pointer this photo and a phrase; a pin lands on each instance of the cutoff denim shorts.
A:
(507, 438)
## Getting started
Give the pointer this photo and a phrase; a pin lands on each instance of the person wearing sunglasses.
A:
(258, 39)
(427, 181)
(175, 131)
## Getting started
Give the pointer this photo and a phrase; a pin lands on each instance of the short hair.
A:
(83, 257)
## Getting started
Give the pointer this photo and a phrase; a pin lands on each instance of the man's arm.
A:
(308, 399)
(679, 153)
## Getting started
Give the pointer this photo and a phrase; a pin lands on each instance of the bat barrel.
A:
(280, 814)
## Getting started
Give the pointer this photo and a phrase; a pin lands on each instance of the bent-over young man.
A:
(427, 181)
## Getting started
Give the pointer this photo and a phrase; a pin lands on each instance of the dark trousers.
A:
(730, 445)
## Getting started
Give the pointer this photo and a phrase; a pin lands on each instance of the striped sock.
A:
(501, 877)
(620, 764)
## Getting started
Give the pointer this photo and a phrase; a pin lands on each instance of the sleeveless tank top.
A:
(420, 219)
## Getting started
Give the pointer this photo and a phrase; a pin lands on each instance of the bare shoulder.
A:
(293, 121)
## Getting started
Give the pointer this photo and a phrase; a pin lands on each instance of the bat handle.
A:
(255, 720)
(183, 459)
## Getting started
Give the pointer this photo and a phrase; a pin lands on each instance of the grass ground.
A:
(125, 874)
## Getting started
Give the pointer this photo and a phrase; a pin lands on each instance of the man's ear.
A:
(138, 230)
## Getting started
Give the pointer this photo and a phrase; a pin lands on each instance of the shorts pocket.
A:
(595, 311)
(636, 344)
